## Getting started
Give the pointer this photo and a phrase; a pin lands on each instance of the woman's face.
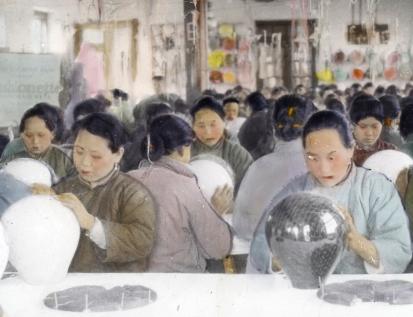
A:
(231, 111)
(208, 127)
(326, 157)
(367, 131)
(92, 156)
(36, 136)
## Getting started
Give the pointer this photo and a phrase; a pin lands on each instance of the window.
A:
(40, 43)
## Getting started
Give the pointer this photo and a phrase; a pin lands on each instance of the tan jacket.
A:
(127, 212)
(189, 231)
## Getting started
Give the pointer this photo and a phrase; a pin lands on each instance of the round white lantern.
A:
(43, 236)
(29, 171)
(388, 162)
(4, 251)
(212, 172)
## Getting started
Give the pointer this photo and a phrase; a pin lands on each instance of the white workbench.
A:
(201, 295)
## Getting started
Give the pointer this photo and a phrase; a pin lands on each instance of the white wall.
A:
(338, 14)
(62, 14)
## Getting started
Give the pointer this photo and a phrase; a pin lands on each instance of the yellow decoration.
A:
(226, 30)
(325, 75)
(291, 111)
(229, 78)
(216, 59)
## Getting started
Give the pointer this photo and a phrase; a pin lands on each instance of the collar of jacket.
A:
(103, 180)
(176, 166)
(203, 146)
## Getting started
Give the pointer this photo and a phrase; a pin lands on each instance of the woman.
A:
(367, 116)
(270, 173)
(39, 126)
(189, 230)
(115, 212)
(208, 123)
(378, 237)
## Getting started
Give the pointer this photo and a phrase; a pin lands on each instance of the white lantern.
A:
(212, 172)
(389, 162)
(4, 251)
(29, 171)
(43, 236)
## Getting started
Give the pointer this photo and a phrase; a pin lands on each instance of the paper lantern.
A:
(357, 74)
(390, 73)
(339, 57)
(306, 235)
(325, 75)
(212, 172)
(4, 251)
(216, 59)
(43, 236)
(356, 57)
(30, 171)
(388, 162)
(340, 74)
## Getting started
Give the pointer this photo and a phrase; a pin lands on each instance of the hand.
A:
(222, 199)
(86, 220)
(40, 189)
(358, 243)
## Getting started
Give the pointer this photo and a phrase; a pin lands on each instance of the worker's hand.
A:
(41, 189)
(358, 243)
(222, 199)
(86, 220)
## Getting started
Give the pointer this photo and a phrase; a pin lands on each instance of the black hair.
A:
(406, 122)
(277, 90)
(290, 113)
(379, 91)
(329, 97)
(391, 106)
(392, 90)
(406, 102)
(4, 140)
(256, 101)
(167, 133)
(368, 85)
(327, 119)
(365, 106)
(334, 104)
(230, 100)
(156, 109)
(208, 102)
(88, 106)
(51, 115)
(106, 126)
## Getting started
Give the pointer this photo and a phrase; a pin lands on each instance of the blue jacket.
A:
(377, 212)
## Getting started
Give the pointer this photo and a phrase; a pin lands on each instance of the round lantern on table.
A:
(306, 234)
(43, 236)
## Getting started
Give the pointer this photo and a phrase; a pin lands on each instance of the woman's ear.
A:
(119, 154)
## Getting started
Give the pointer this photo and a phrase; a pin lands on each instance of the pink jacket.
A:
(188, 229)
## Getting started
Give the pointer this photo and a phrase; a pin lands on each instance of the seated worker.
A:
(391, 112)
(270, 173)
(378, 239)
(208, 124)
(367, 116)
(116, 213)
(38, 128)
(232, 121)
(189, 230)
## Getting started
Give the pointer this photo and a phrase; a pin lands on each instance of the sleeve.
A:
(242, 160)
(97, 234)
(388, 227)
(212, 233)
(260, 253)
(131, 237)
